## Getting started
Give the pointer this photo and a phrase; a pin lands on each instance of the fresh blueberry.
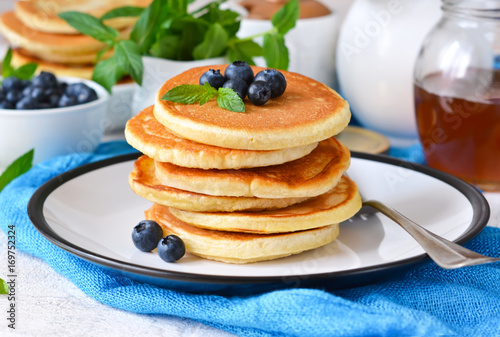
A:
(275, 79)
(239, 69)
(12, 83)
(213, 77)
(259, 92)
(171, 248)
(13, 96)
(27, 90)
(146, 235)
(73, 89)
(38, 94)
(27, 103)
(66, 101)
(7, 105)
(53, 100)
(2, 95)
(86, 95)
(238, 85)
(45, 79)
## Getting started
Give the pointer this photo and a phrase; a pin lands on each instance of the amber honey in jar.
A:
(457, 93)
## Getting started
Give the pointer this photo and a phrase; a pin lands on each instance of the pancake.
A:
(42, 15)
(308, 176)
(334, 206)
(307, 112)
(50, 47)
(82, 60)
(150, 137)
(144, 183)
(233, 247)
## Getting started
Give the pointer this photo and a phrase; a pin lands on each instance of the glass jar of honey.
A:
(457, 92)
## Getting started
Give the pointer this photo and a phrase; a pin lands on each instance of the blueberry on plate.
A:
(146, 235)
(239, 69)
(45, 80)
(238, 85)
(171, 248)
(259, 92)
(213, 77)
(275, 79)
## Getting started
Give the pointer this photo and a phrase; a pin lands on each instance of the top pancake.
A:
(42, 15)
(307, 112)
(150, 137)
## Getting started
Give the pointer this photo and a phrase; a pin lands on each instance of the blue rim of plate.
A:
(342, 279)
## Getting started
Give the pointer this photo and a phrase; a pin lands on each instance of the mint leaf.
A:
(26, 71)
(128, 57)
(91, 26)
(275, 51)
(213, 44)
(244, 50)
(7, 69)
(125, 11)
(20, 166)
(228, 99)
(145, 29)
(107, 73)
(4, 287)
(189, 93)
(285, 19)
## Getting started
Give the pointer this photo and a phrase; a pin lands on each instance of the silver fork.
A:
(446, 254)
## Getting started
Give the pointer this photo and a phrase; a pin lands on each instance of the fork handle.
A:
(445, 253)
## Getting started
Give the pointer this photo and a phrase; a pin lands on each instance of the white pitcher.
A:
(377, 47)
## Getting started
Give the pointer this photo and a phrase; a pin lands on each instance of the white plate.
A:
(91, 211)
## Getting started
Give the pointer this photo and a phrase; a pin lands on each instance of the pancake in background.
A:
(307, 112)
(334, 206)
(144, 183)
(50, 47)
(42, 15)
(150, 137)
(308, 176)
(233, 247)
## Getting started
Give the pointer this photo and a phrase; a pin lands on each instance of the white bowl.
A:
(119, 108)
(53, 132)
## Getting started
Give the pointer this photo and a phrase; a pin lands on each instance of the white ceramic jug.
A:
(377, 48)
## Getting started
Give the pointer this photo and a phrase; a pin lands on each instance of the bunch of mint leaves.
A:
(166, 29)
(24, 72)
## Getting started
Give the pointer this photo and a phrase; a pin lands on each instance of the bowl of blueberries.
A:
(53, 115)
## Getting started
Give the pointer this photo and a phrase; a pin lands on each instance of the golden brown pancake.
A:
(307, 112)
(233, 247)
(308, 176)
(46, 46)
(334, 206)
(150, 137)
(42, 15)
(144, 183)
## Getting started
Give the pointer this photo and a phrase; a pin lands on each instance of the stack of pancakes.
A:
(39, 35)
(245, 187)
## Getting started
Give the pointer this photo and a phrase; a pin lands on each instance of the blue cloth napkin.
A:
(426, 301)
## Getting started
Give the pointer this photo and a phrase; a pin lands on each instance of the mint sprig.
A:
(191, 93)
(166, 29)
(20, 166)
(24, 72)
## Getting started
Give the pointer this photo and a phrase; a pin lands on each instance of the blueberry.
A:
(27, 103)
(238, 85)
(213, 77)
(66, 101)
(73, 89)
(275, 79)
(27, 90)
(45, 79)
(13, 96)
(259, 92)
(2, 95)
(146, 235)
(53, 100)
(38, 94)
(12, 83)
(171, 248)
(7, 105)
(86, 95)
(239, 69)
